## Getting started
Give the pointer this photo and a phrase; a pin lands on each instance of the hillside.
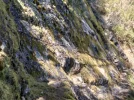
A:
(64, 50)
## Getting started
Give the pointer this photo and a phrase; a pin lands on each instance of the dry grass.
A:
(120, 12)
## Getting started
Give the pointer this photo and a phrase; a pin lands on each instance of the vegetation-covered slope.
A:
(121, 18)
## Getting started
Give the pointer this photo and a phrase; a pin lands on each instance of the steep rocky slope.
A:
(60, 50)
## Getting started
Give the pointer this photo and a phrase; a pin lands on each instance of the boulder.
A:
(69, 64)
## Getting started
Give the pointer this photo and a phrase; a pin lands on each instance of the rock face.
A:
(60, 50)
